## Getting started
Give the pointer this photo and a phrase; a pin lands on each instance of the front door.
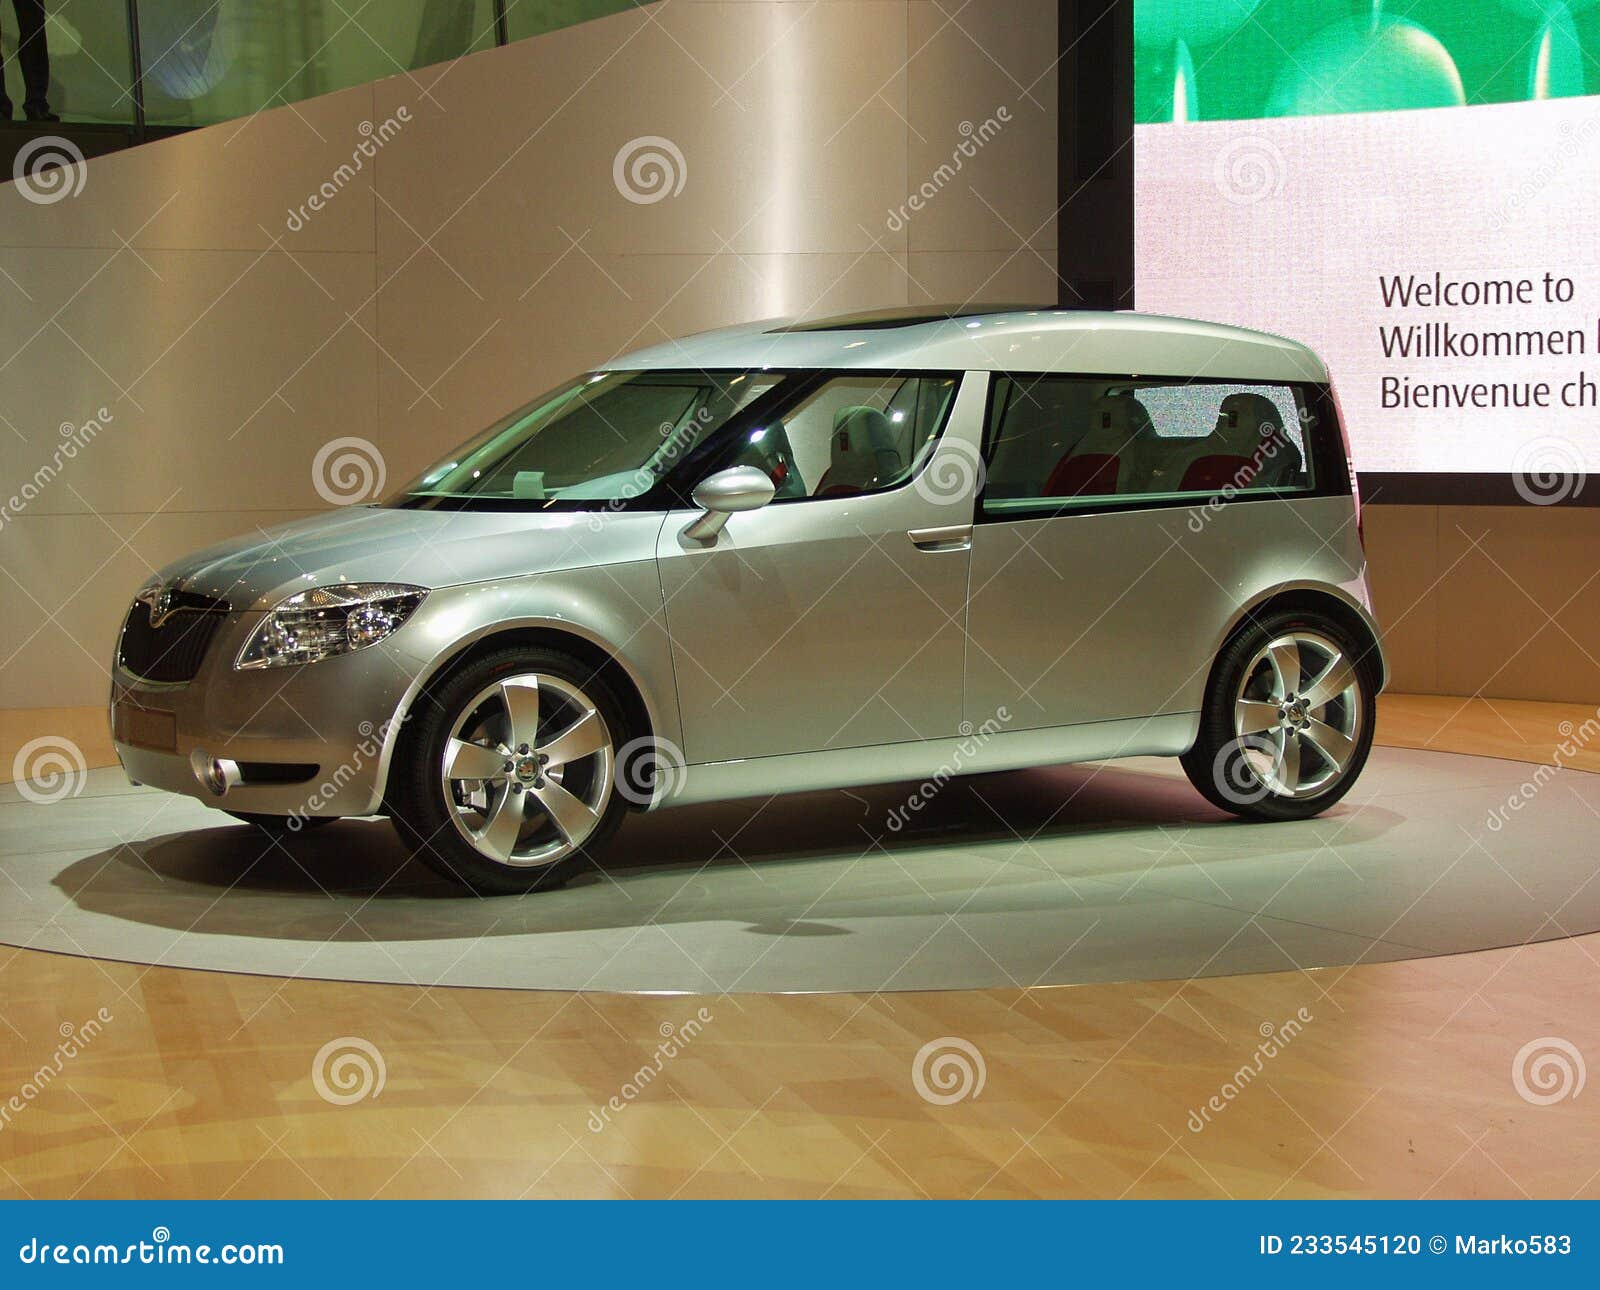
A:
(834, 617)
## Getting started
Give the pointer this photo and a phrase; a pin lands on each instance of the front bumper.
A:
(309, 740)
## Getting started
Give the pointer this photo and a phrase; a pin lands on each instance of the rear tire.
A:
(1287, 720)
(506, 778)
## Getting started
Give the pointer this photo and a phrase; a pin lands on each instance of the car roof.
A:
(989, 338)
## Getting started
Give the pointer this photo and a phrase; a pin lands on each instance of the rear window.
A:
(1058, 440)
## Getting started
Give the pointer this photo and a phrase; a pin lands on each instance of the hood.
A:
(426, 548)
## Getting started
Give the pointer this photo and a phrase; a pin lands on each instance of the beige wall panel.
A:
(1519, 616)
(227, 187)
(1018, 276)
(789, 118)
(224, 372)
(968, 62)
(1403, 567)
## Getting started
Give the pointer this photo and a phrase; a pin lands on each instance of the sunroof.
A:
(905, 316)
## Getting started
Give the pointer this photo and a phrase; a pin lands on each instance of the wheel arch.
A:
(568, 638)
(1331, 602)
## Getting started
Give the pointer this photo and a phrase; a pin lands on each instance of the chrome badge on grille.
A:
(158, 599)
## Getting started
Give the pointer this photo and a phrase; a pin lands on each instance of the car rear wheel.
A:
(1287, 722)
(507, 779)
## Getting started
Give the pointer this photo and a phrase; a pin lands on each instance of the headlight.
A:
(325, 621)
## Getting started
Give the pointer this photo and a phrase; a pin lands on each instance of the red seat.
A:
(1091, 475)
(1218, 471)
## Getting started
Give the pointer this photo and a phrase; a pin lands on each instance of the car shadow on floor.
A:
(1072, 836)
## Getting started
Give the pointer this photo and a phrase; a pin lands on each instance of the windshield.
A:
(606, 437)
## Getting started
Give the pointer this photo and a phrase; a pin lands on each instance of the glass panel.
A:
(214, 60)
(1053, 439)
(857, 434)
(85, 59)
(607, 437)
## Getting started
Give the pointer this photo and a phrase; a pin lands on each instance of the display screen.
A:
(1412, 189)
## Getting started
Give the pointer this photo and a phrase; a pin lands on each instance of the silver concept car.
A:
(789, 556)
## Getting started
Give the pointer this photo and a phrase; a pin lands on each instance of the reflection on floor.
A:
(1406, 1078)
(1049, 877)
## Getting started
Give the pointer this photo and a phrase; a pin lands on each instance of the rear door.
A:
(1121, 525)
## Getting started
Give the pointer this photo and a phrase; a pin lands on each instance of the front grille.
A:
(173, 651)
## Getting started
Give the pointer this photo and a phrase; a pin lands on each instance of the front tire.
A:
(1287, 721)
(506, 780)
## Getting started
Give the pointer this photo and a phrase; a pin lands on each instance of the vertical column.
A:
(1095, 161)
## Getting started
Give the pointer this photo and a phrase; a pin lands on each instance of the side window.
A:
(1053, 440)
(855, 434)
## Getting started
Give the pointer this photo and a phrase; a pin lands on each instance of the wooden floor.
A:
(1381, 1080)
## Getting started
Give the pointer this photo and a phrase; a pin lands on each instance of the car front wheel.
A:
(507, 778)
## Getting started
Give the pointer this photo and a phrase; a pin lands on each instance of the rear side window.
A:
(1060, 441)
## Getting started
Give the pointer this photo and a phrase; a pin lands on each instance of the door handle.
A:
(952, 537)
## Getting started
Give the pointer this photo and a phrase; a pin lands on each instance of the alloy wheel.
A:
(1299, 714)
(527, 771)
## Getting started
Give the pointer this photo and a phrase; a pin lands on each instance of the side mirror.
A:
(739, 488)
